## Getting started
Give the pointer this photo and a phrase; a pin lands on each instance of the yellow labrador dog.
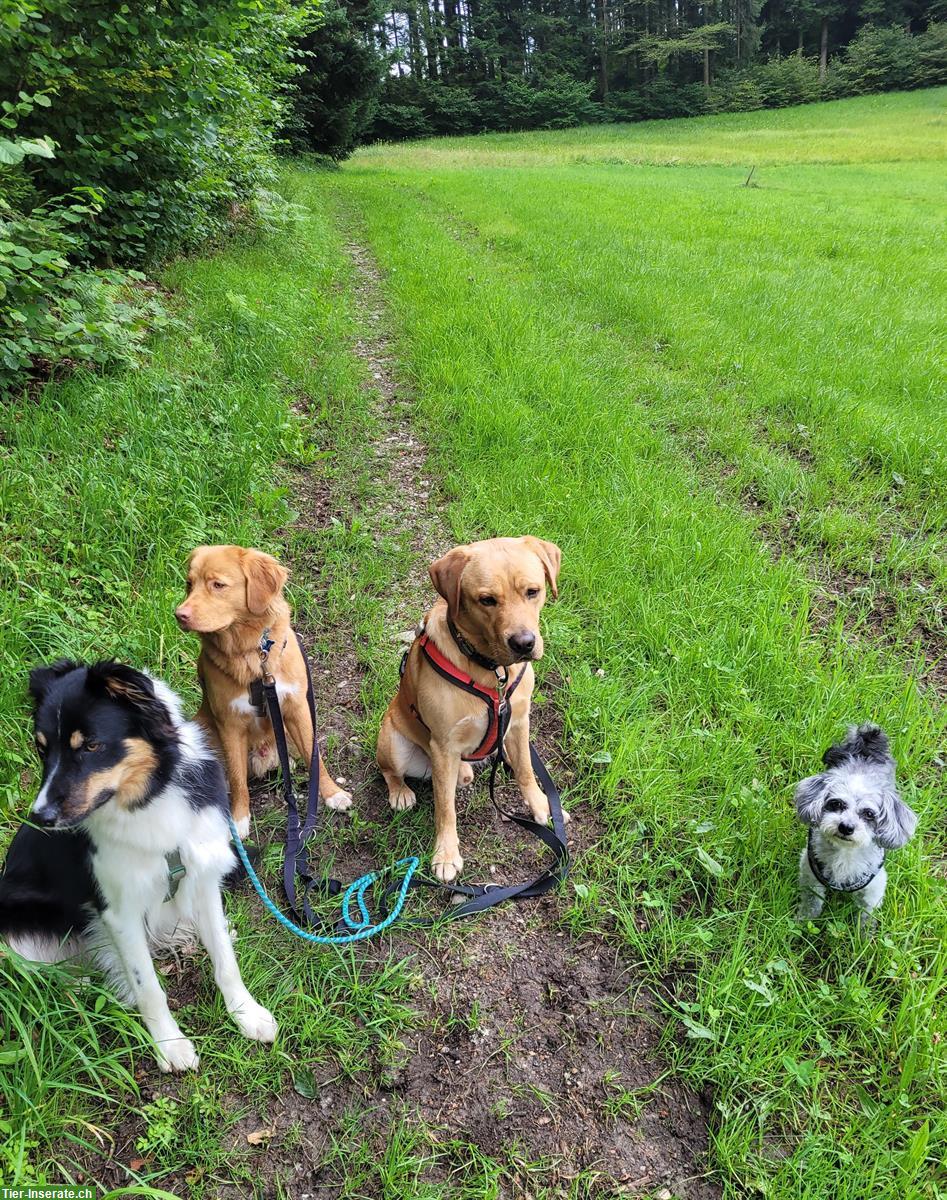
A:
(486, 621)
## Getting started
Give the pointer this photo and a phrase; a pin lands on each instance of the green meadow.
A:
(723, 395)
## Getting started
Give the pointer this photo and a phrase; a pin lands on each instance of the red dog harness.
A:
(496, 699)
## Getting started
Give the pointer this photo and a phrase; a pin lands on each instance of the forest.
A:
(424, 67)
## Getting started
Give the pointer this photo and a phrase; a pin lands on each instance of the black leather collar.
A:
(816, 868)
(471, 651)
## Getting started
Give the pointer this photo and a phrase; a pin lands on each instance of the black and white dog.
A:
(854, 814)
(128, 788)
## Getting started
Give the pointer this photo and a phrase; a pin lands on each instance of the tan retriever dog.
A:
(492, 593)
(234, 596)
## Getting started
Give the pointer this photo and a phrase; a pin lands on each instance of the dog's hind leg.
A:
(126, 931)
(252, 1019)
(397, 758)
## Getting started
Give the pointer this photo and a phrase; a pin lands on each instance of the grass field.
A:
(726, 404)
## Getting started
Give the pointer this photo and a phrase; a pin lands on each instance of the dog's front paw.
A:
(177, 1054)
(254, 1021)
(339, 801)
(465, 775)
(447, 862)
(541, 814)
(402, 799)
(243, 827)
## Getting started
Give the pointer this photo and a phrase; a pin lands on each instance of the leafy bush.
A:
(556, 102)
(127, 132)
(782, 82)
(167, 110)
(878, 60)
(50, 311)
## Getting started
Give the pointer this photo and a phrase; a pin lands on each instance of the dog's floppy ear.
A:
(896, 821)
(808, 798)
(42, 677)
(265, 578)
(445, 575)
(136, 692)
(550, 556)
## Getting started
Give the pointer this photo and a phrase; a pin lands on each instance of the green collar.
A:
(176, 872)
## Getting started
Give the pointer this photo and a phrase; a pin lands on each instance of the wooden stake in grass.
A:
(746, 182)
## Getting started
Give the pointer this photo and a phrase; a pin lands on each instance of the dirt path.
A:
(530, 1045)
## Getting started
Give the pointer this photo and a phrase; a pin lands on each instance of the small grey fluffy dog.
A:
(854, 815)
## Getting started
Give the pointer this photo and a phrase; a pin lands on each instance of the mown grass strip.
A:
(717, 692)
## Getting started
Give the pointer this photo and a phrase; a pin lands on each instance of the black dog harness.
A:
(816, 868)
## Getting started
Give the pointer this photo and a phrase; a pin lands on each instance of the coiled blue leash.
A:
(356, 890)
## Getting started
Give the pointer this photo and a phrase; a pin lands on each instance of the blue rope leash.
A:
(362, 928)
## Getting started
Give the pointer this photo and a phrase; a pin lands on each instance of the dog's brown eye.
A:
(532, 593)
(867, 814)
(488, 601)
(834, 806)
(91, 747)
(218, 586)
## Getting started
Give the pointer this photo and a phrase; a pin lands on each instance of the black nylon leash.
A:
(295, 859)
(478, 897)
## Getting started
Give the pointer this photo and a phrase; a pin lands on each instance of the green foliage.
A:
(335, 95)
(168, 111)
(127, 132)
(542, 64)
(881, 59)
(52, 311)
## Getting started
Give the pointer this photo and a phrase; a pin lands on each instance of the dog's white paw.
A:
(339, 801)
(177, 1054)
(447, 864)
(402, 799)
(542, 815)
(465, 776)
(254, 1021)
(243, 827)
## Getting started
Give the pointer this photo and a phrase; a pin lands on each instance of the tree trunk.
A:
(394, 32)
(799, 49)
(602, 47)
(824, 49)
(707, 70)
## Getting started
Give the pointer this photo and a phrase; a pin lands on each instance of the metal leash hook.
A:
(266, 645)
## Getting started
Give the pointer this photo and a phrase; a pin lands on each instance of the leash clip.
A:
(266, 645)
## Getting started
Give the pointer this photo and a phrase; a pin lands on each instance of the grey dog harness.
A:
(816, 868)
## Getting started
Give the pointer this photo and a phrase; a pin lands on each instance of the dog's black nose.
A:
(846, 830)
(44, 816)
(522, 643)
